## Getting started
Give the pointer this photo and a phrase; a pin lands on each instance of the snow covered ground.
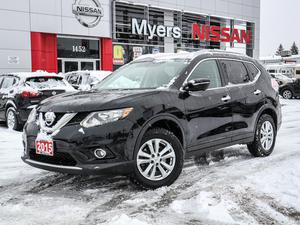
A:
(228, 187)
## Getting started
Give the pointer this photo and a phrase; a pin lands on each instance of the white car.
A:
(85, 80)
(281, 79)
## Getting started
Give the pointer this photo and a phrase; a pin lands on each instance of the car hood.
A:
(92, 101)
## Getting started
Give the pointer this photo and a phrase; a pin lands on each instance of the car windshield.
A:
(144, 75)
(45, 82)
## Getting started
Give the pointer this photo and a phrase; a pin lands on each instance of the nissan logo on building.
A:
(88, 12)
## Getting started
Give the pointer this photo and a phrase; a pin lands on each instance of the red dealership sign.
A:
(220, 34)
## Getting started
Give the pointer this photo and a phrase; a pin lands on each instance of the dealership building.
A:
(68, 35)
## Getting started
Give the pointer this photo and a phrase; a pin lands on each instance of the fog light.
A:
(100, 153)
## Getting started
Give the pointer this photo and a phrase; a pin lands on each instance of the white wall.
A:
(19, 17)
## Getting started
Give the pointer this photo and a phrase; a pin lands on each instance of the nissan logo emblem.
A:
(89, 15)
(49, 118)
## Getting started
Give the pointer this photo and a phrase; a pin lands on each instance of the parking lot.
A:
(226, 187)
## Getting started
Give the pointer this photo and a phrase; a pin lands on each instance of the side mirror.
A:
(196, 85)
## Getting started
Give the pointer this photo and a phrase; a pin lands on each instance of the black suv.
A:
(149, 115)
(290, 90)
(21, 92)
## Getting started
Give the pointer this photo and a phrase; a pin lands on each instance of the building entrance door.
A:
(69, 65)
(75, 53)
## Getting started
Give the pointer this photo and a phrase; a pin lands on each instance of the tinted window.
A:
(8, 82)
(297, 71)
(236, 71)
(207, 69)
(253, 71)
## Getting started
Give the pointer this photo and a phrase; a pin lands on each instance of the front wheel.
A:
(265, 137)
(159, 159)
(12, 119)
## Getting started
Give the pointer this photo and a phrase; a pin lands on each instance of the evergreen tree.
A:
(279, 50)
(294, 49)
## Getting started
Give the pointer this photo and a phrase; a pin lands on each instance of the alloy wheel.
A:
(267, 135)
(11, 119)
(287, 94)
(156, 159)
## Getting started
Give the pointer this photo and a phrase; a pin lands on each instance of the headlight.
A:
(32, 116)
(99, 118)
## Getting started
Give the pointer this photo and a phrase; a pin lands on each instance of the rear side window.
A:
(207, 69)
(8, 82)
(253, 71)
(236, 72)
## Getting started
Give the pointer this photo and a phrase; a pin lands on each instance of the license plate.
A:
(44, 148)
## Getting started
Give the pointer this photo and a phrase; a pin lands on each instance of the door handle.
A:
(257, 92)
(226, 98)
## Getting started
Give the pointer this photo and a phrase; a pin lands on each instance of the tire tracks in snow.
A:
(249, 202)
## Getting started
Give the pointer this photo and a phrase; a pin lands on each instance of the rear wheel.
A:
(159, 160)
(265, 137)
(12, 119)
(287, 94)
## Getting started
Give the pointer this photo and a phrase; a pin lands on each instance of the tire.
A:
(167, 161)
(12, 119)
(260, 147)
(287, 94)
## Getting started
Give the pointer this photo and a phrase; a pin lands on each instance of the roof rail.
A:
(219, 51)
(184, 54)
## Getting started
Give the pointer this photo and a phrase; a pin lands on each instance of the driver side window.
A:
(209, 70)
(73, 79)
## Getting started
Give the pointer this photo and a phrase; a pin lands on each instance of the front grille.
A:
(59, 158)
(58, 116)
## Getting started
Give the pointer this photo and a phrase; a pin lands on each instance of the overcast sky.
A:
(280, 23)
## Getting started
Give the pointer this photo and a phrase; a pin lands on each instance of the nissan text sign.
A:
(220, 34)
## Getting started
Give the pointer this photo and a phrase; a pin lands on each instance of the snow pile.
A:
(205, 206)
(125, 220)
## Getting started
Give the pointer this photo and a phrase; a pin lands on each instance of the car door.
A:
(246, 94)
(208, 112)
(6, 87)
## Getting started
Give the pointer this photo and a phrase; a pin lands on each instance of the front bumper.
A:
(74, 149)
(94, 169)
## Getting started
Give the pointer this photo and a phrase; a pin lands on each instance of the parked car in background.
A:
(85, 80)
(20, 92)
(290, 89)
(149, 115)
(280, 78)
